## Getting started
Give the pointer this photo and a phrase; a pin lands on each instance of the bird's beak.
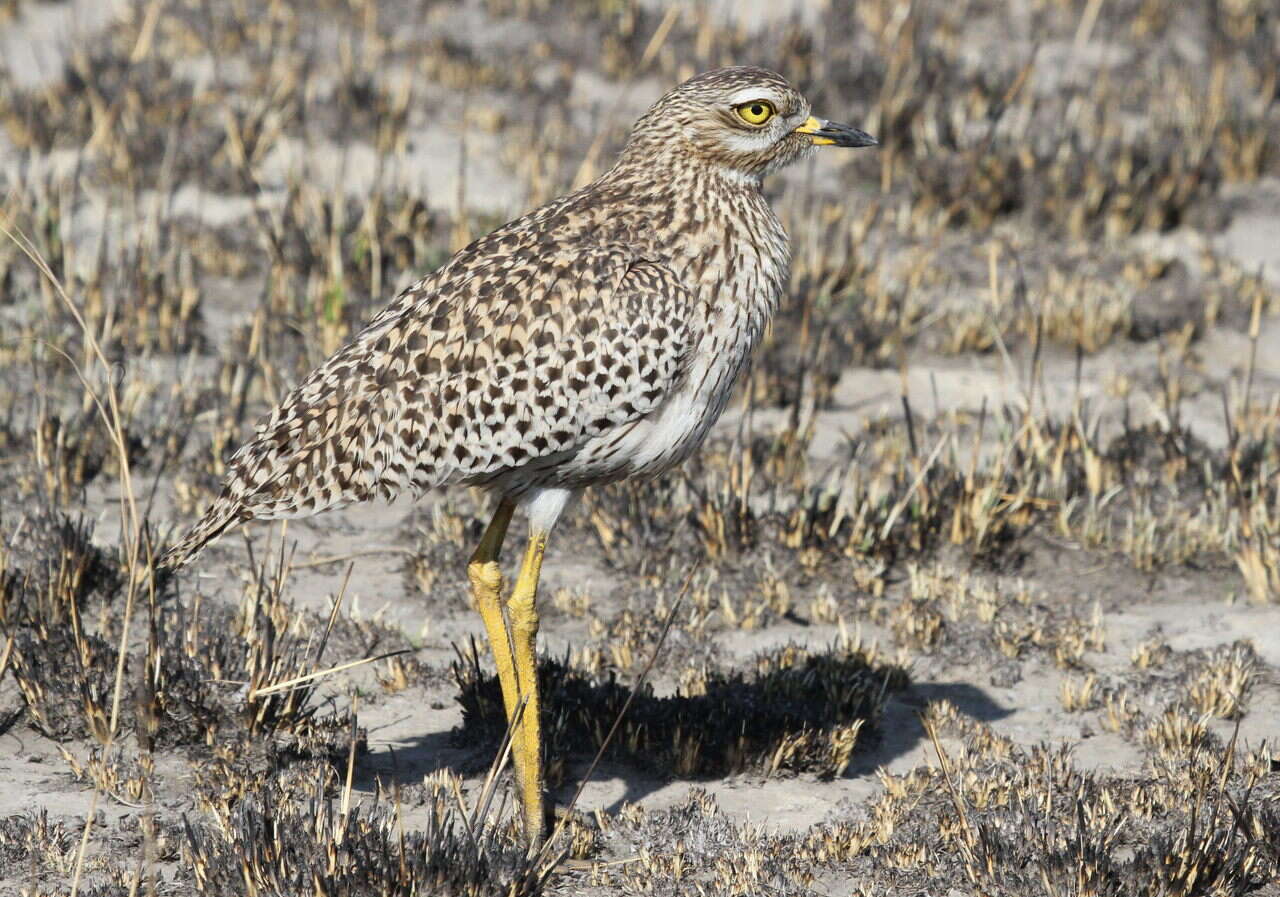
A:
(829, 133)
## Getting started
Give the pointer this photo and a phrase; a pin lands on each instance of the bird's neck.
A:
(682, 196)
(711, 227)
(674, 161)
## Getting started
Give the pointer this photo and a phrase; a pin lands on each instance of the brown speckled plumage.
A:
(596, 337)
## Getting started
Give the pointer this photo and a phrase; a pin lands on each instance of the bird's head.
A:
(746, 121)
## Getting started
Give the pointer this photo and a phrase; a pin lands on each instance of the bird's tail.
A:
(222, 514)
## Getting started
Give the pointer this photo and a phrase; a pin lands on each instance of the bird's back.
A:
(546, 333)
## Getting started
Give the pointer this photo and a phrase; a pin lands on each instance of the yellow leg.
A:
(486, 591)
(527, 745)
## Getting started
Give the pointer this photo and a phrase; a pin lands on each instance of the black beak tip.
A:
(859, 138)
(835, 134)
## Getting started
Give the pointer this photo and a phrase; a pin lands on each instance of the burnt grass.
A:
(1015, 637)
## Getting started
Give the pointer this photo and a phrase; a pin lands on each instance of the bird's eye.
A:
(757, 112)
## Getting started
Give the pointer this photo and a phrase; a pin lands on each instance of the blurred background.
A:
(1006, 461)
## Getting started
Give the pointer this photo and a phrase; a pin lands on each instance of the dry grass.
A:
(212, 197)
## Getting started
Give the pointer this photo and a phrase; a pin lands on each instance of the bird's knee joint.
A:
(523, 612)
(486, 576)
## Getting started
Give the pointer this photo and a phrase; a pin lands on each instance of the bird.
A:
(596, 338)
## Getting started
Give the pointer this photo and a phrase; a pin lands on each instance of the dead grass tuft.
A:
(297, 842)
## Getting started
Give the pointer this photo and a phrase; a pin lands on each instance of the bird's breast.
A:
(672, 432)
(736, 291)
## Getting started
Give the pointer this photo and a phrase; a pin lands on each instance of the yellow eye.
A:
(757, 112)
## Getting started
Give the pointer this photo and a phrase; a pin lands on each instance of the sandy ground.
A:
(1194, 606)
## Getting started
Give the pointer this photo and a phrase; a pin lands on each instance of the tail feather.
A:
(319, 449)
(220, 517)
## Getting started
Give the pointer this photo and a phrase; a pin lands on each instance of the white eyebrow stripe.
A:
(747, 94)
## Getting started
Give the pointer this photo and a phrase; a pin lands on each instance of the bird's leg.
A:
(522, 608)
(486, 591)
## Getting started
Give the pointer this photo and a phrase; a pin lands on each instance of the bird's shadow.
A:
(409, 761)
(789, 720)
(900, 729)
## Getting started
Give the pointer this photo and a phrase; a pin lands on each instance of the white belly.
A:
(674, 431)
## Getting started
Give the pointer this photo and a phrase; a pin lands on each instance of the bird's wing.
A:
(479, 369)
(597, 345)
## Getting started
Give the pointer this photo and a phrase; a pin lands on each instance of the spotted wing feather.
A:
(479, 370)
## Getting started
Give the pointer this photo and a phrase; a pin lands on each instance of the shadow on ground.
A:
(830, 715)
